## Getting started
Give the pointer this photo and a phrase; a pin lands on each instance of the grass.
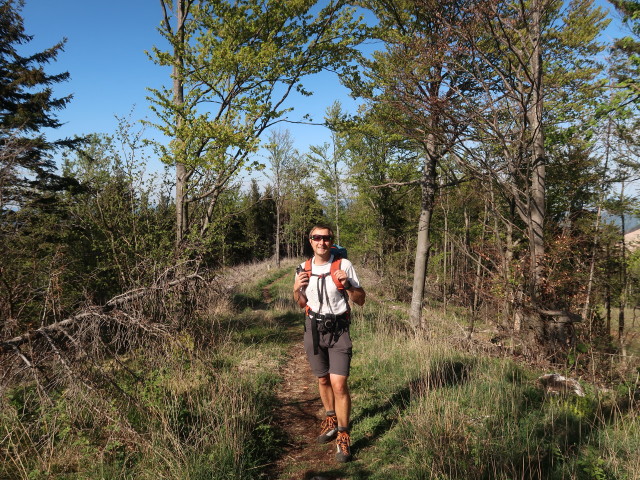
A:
(426, 410)
(198, 406)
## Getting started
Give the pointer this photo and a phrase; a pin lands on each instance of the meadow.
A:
(199, 403)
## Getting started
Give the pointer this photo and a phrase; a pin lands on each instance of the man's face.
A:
(321, 241)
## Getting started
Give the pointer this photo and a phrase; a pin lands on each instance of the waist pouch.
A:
(327, 323)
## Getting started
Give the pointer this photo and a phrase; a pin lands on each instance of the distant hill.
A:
(630, 222)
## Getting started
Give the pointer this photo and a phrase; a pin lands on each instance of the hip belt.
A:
(327, 323)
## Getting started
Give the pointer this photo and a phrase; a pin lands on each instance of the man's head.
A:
(321, 239)
(321, 226)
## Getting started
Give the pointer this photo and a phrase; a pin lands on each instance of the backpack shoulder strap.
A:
(335, 266)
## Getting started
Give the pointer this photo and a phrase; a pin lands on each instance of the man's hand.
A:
(301, 281)
(356, 294)
(342, 276)
(299, 284)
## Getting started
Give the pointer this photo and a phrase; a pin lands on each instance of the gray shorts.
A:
(334, 352)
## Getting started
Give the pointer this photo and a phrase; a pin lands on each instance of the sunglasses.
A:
(317, 238)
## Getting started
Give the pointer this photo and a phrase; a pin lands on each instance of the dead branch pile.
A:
(68, 348)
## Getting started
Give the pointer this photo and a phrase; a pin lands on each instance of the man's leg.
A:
(329, 427)
(343, 412)
(326, 393)
(342, 399)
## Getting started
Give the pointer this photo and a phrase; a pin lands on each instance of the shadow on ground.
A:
(443, 374)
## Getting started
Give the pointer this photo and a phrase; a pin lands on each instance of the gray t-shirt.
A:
(336, 302)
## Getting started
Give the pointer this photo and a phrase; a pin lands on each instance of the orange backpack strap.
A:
(335, 266)
(307, 268)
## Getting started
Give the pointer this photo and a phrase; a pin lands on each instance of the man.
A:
(326, 338)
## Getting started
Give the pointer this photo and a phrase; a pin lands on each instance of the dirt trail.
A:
(298, 416)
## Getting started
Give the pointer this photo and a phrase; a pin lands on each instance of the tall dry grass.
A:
(193, 403)
(425, 408)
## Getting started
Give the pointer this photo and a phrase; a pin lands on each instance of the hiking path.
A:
(298, 415)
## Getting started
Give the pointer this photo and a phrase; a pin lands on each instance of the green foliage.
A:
(28, 106)
(626, 55)
(243, 232)
(237, 63)
(34, 267)
(122, 225)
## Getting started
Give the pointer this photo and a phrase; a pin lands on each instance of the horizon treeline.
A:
(492, 140)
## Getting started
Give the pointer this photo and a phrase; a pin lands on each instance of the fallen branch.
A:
(13, 343)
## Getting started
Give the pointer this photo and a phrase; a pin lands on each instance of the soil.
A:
(299, 417)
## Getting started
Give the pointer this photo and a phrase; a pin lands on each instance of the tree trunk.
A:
(623, 274)
(277, 252)
(445, 252)
(182, 217)
(479, 272)
(428, 187)
(586, 309)
(608, 295)
(336, 201)
(537, 209)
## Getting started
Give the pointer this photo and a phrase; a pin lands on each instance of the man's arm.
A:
(357, 295)
(301, 281)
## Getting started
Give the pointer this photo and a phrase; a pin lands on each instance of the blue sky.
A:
(110, 72)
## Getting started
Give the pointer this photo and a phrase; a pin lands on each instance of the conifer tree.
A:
(27, 106)
(33, 243)
(627, 51)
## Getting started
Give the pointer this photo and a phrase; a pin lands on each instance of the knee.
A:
(340, 388)
(324, 381)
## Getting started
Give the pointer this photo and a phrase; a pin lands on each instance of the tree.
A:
(234, 66)
(535, 63)
(626, 52)
(382, 166)
(285, 165)
(27, 106)
(33, 265)
(327, 161)
(416, 80)
(121, 233)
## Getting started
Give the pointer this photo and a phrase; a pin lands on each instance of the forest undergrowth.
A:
(198, 401)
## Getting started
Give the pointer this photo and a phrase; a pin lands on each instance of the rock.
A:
(556, 384)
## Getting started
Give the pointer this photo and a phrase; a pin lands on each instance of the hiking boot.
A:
(343, 444)
(329, 430)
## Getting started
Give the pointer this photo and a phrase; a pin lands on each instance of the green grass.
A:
(425, 410)
(195, 405)
(199, 406)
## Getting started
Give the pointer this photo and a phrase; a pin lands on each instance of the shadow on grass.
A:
(290, 319)
(444, 373)
(281, 329)
(352, 469)
(261, 295)
(244, 301)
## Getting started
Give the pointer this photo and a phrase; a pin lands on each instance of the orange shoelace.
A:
(343, 441)
(328, 424)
